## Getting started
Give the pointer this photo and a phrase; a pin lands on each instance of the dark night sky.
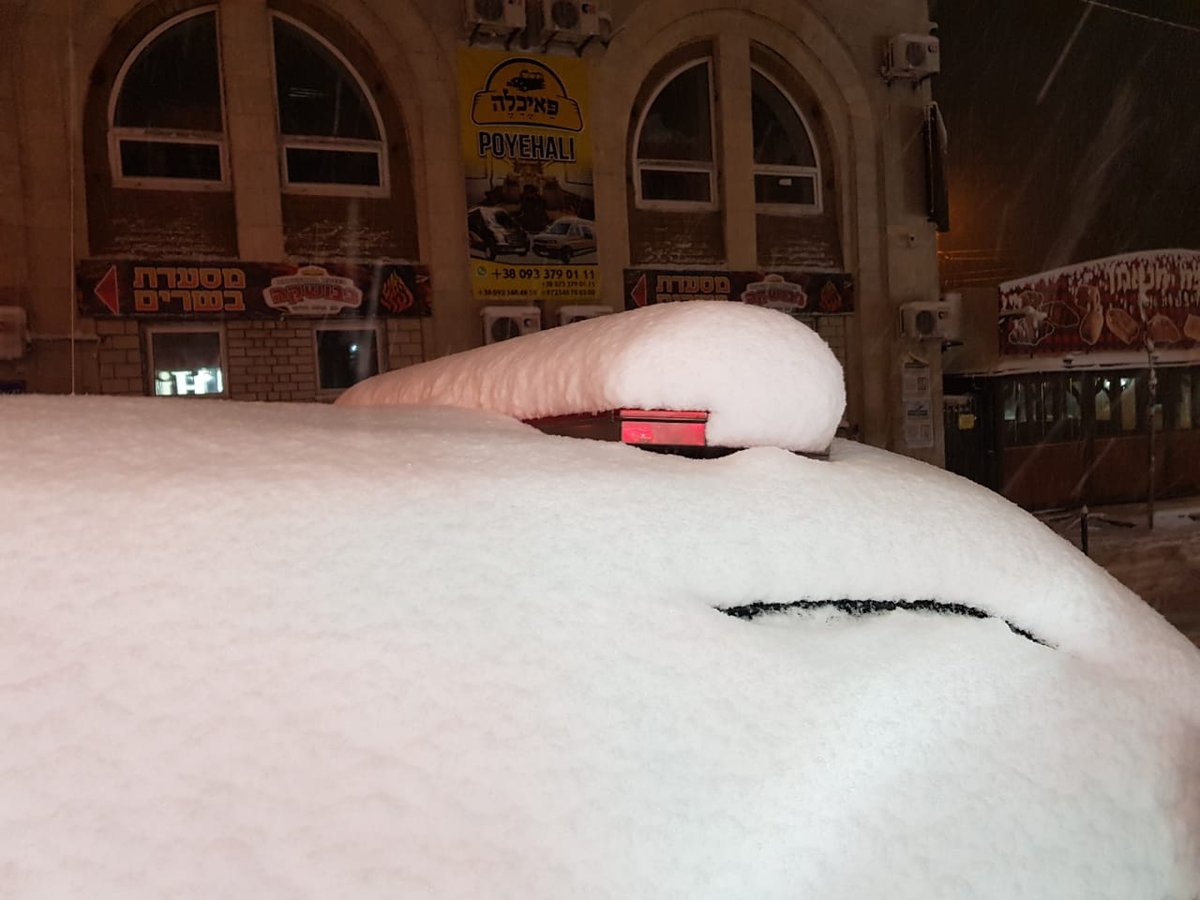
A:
(1101, 158)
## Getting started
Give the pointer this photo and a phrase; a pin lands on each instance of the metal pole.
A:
(1153, 428)
(1083, 530)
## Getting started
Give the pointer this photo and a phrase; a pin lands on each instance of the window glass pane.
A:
(175, 81)
(678, 125)
(345, 357)
(1128, 405)
(1195, 377)
(309, 166)
(797, 189)
(780, 138)
(317, 95)
(167, 159)
(1185, 411)
(667, 184)
(187, 363)
(1072, 412)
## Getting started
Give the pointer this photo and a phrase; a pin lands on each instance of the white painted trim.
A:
(157, 135)
(333, 188)
(679, 165)
(375, 325)
(663, 165)
(383, 189)
(149, 330)
(791, 209)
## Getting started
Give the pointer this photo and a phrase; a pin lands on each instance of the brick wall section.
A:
(833, 330)
(404, 346)
(657, 237)
(264, 360)
(122, 366)
(271, 360)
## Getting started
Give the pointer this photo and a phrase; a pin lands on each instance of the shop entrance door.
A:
(970, 431)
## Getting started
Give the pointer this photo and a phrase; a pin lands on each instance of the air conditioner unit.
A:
(574, 21)
(913, 57)
(502, 17)
(13, 335)
(503, 322)
(570, 314)
(933, 320)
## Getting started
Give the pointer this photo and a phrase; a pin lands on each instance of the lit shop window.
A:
(675, 163)
(786, 176)
(166, 115)
(1119, 408)
(1042, 409)
(1179, 395)
(331, 136)
(345, 356)
(187, 363)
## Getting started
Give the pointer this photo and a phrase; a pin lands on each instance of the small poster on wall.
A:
(916, 393)
(527, 153)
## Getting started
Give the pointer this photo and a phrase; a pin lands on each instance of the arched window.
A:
(331, 136)
(787, 175)
(674, 160)
(166, 115)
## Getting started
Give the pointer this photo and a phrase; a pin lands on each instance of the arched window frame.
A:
(310, 142)
(813, 172)
(165, 135)
(709, 168)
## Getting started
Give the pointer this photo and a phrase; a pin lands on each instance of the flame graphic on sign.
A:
(396, 295)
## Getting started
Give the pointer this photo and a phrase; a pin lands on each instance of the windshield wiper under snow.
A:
(874, 607)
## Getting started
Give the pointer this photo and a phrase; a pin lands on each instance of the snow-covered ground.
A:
(306, 651)
(1161, 565)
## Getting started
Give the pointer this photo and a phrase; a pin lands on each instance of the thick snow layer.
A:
(765, 379)
(302, 651)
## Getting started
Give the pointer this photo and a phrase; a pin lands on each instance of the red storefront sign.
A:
(798, 293)
(212, 289)
(1123, 302)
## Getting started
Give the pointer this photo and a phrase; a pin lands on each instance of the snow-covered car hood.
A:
(306, 651)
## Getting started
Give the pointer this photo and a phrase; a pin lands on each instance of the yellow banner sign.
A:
(527, 152)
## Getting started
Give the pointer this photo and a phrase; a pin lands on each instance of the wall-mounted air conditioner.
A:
(14, 337)
(569, 314)
(576, 22)
(933, 320)
(912, 57)
(503, 322)
(503, 18)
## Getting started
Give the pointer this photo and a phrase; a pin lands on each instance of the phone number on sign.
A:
(577, 273)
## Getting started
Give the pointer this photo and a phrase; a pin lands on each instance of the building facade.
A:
(271, 199)
(1081, 385)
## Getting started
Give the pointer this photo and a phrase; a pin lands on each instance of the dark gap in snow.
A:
(874, 607)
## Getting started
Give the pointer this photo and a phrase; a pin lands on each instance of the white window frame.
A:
(813, 172)
(675, 165)
(164, 135)
(375, 325)
(318, 142)
(189, 328)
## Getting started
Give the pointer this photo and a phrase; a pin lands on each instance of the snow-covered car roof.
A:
(332, 651)
(763, 378)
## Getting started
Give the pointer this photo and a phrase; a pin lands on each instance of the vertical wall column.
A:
(253, 128)
(735, 150)
(14, 272)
